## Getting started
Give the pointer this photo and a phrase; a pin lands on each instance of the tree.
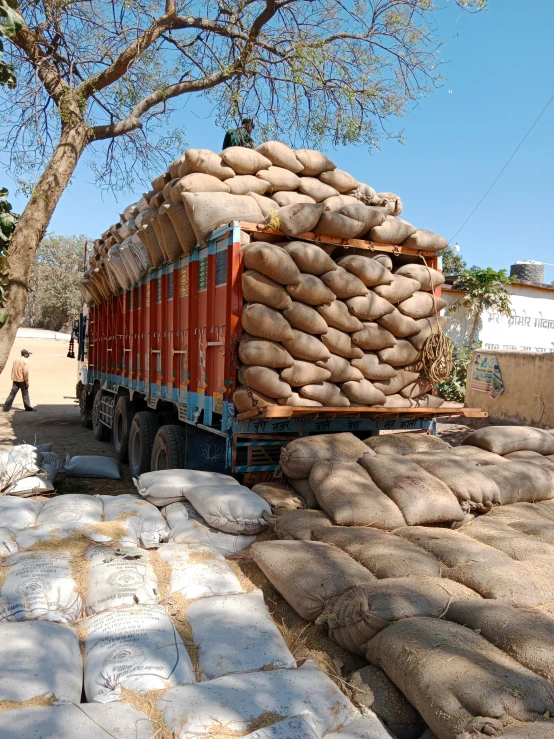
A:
(485, 289)
(104, 75)
(54, 295)
(452, 263)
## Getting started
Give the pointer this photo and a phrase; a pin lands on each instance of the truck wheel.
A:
(99, 431)
(144, 427)
(84, 409)
(169, 449)
(122, 419)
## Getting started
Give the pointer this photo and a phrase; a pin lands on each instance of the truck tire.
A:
(122, 419)
(169, 450)
(144, 427)
(99, 431)
(84, 406)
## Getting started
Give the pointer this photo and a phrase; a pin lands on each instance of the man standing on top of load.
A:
(240, 136)
(20, 379)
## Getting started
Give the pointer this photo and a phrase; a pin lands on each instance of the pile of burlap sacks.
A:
(295, 191)
(436, 564)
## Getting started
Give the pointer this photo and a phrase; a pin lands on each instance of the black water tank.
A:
(528, 271)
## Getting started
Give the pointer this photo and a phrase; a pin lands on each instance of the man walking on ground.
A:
(20, 379)
(240, 136)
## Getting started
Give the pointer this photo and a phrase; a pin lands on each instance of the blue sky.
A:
(498, 75)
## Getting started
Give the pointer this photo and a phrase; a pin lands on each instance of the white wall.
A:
(529, 329)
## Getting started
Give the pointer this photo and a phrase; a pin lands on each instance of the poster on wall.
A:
(486, 376)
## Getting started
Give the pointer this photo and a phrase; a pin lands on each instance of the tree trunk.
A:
(32, 226)
(473, 330)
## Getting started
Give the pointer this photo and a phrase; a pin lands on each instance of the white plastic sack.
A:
(39, 585)
(119, 577)
(8, 544)
(298, 727)
(15, 464)
(47, 447)
(198, 571)
(143, 521)
(48, 531)
(195, 531)
(34, 485)
(72, 508)
(51, 463)
(85, 721)
(39, 658)
(137, 648)
(234, 701)
(235, 633)
(231, 508)
(169, 486)
(92, 466)
(177, 514)
(364, 727)
(17, 514)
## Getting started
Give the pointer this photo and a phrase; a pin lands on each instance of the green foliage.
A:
(8, 221)
(54, 296)
(452, 263)
(454, 388)
(10, 23)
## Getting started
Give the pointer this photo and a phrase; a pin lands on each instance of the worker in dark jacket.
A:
(240, 136)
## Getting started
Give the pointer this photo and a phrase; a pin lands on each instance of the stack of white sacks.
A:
(170, 617)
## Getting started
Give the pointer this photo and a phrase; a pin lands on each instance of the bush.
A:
(454, 389)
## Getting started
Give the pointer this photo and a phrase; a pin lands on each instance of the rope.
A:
(436, 353)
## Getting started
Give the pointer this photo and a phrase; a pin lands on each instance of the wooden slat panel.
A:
(286, 411)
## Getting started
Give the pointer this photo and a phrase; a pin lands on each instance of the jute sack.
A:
(400, 289)
(338, 202)
(474, 490)
(338, 226)
(266, 323)
(397, 401)
(198, 182)
(427, 326)
(280, 496)
(365, 726)
(304, 373)
(299, 456)
(341, 369)
(344, 284)
(310, 258)
(150, 241)
(421, 497)
(341, 344)
(206, 162)
(209, 210)
(175, 166)
(515, 544)
(303, 489)
(363, 193)
(298, 219)
(311, 290)
(427, 277)
(421, 305)
(427, 401)
(477, 455)
(326, 393)
(372, 368)
(526, 635)
(257, 288)
(316, 189)
(181, 225)
(273, 262)
(523, 454)
(521, 482)
(266, 381)
(298, 525)
(369, 307)
(367, 215)
(459, 682)
(383, 554)
(159, 181)
(392, 231)
(337, 315)
(154, 203)
(297, 400)
(505, 439)
(399, 355)
(243, 160)
(358, 615)
(305, 346)
(266, 205)
(262, 352)
(349, 496)
(363, 392)
(242, 401)
(314, 162)
(339, 180)
(420, 387)
(399, 325)
(308, 574)
(279, 179)
(280, 155)
(427, 240)
(369, 271)
(373, 337)
(243, 184)
(289, 197)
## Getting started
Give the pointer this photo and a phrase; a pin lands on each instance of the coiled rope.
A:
(436, 354)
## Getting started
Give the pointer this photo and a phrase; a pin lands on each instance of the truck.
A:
(159, 367)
